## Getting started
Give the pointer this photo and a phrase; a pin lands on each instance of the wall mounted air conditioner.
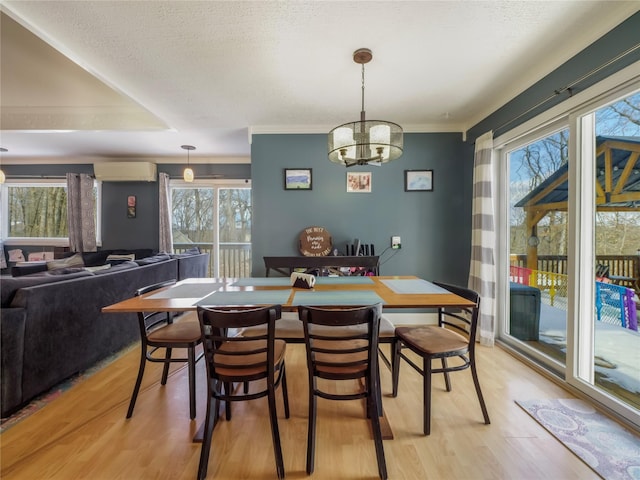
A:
(125, 171)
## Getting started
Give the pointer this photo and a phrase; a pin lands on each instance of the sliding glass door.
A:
(571, 232)
(613, 131)
(538, 227)
(214, 217)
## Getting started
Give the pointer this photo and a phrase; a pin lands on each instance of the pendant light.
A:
(188, 172)
(365, 141)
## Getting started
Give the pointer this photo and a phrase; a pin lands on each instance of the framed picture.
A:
(418, 180)
(131, 206)
(297, 179)
(359, 182)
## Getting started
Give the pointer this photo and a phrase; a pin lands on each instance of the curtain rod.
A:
(569, 88)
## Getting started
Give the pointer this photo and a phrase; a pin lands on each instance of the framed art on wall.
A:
(418, 180)
(359, 182)
(297, 179)
(131, 206)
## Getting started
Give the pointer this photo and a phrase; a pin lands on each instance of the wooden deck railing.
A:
(234, 258)
(625, 266)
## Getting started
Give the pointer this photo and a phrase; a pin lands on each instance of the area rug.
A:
(612, 451)
(49, 396)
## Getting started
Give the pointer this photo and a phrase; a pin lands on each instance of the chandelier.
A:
(365, 141)
(188, 172)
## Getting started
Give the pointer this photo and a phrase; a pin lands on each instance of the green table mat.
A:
(254, 297)
(413, 286)
(336, 298)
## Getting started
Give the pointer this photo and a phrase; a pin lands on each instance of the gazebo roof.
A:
(617, 179)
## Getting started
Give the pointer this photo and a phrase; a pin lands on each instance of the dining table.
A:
(392, 291)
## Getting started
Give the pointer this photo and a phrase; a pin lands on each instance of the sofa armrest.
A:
(192, 266)
(12, 328)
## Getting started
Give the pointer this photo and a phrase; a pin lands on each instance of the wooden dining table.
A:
(394, 292)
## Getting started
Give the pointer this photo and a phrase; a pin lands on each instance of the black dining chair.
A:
(453, 337)
(162, 330)
(231, 358)
(342, 345)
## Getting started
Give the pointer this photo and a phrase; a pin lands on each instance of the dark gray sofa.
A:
(52, 327)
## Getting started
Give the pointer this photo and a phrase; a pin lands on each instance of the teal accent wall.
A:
(435, 227)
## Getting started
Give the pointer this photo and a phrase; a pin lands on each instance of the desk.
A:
(286, 265)
(391, 291)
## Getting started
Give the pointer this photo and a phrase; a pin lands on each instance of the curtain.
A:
(482, 270)
(81, 212)
(166, 237)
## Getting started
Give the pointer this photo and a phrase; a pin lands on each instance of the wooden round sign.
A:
(315, 242)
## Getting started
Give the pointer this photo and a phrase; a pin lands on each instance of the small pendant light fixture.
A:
(365, 141)
(188, 172)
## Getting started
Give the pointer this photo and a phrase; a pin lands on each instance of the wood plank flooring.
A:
(84, 434)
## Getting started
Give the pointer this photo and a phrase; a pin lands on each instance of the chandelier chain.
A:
(362, 90)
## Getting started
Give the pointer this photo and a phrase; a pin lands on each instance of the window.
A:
(35, 213)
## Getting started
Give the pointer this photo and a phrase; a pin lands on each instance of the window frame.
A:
(42, 241)
(577, 114)
(216, 185)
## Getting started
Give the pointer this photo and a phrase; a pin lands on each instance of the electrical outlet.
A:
(396, 243)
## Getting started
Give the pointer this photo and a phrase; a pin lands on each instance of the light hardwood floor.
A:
(84, 435)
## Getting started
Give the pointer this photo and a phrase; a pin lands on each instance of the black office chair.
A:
(159, 331)
(342, 344)
(231, 358)
(454, 336)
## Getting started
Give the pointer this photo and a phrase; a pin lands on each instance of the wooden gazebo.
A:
(617, 187)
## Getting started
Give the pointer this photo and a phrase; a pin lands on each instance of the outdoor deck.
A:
(617, 350)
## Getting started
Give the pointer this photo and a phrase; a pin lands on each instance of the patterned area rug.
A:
(49, 396)
(608, 448)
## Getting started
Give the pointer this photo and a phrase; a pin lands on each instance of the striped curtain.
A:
(482, 271)
(166, 236)
(81, 213)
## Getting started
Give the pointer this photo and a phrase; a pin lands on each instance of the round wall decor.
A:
(315, 242)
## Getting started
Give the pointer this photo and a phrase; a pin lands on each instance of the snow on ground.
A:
(617, 349)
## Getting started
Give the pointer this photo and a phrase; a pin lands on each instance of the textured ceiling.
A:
(140, 78)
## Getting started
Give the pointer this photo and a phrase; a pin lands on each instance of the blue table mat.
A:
(354, 297)
(417, 285)
(253, 297)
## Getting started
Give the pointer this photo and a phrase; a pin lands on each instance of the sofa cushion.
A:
(21, 270)
(138, 252)
(117, 266)
(159, 257)
(98, 268)
(72, 261)
(9, 285)
(116, 258)
(63, 271)
(95, 259)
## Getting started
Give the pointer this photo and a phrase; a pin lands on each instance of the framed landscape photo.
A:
(359, 182)
(418, 180)
(297, 179)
